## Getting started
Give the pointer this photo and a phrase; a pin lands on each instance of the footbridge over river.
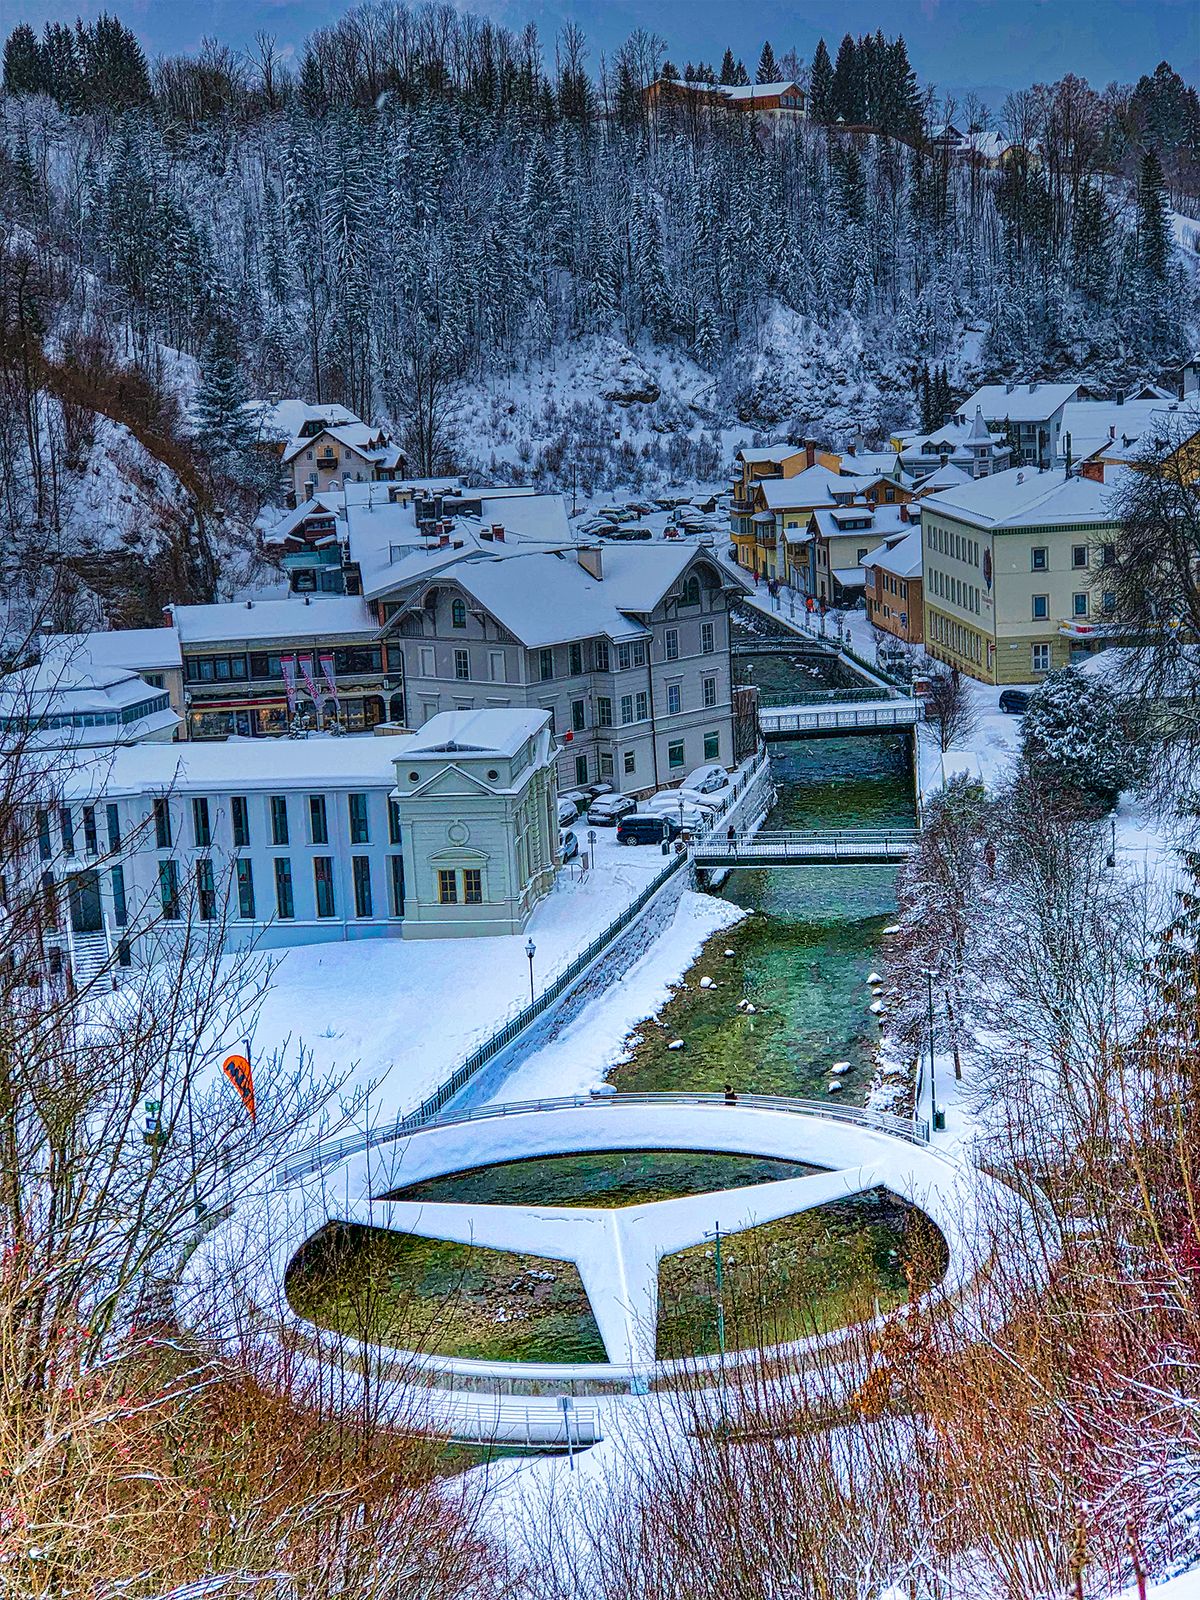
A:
(808, 847)
(838, 714)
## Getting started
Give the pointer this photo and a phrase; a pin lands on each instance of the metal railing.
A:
(825, 697)
(325, 1151)
(816, 844)
(902, 714)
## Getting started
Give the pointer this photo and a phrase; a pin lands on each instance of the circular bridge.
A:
(616, 1251)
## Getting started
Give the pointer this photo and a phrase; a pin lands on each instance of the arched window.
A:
(458, 614)
(691, 591)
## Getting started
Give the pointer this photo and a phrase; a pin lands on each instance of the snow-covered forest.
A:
(493, 244)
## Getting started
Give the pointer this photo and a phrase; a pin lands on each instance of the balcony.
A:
(742, 508)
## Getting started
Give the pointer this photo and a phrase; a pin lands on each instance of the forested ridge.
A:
(426, 203)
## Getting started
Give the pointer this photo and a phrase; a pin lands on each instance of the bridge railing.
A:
(826, 697)
(882, 716)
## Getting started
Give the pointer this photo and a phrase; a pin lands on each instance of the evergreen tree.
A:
(741, 78)
(24, 69)
(768, 67)
(1090, 249)
(1072, 743)
(112, 65)
(729, 68)
(222, 427)
(60, 63)
(846, 96)
(820, 85)
(1153, 227)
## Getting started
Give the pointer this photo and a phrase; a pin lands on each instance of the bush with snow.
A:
(1073, 743)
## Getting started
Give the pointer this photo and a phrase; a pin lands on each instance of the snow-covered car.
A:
(568, 845)
(568, 812)
(685, 813)
(668, 801)
(706, 780)
(608, 809)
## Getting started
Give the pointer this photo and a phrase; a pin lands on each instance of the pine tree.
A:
(846, 96)
(1153, 227)
(768, 67)
(820, 85)
(24, 69)
(729, 68)
(1090, 249)
(222, 426)
(741, 78)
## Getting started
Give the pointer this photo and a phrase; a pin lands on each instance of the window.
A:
(1041, 607)
(318, 822)
(473, 886)
(396, 884)
(323, 879)
(91, 841)
(1109, 602)
(361, 869)
(496, 666)
(674, 700)
(462, 664)
(606, 764)
(641, 705)
(201, 826)
(603, 711)
(1079, 555)
(360, 830)
(447, 887)
(458, 613)
(710, 692)
(168, 889)
(162, 825)
(712, 746)
(245, 886)
(707, 646)
(284, 904)
(240, 814)
(675, 754)
(602, 655)
(861, 555)
(576, 660)
(279, 819)
(546, 664)
(629, 762)
(1079, 605)
(206, 893)
(626, 708)
(1040, 658)
(691, 591)
(581, 769)
(66, 827)
(1108, 556)
(672, 644)
(1039, 559)
(120, 910)
(428, 666)
(631, 655)
(577, 715)
(45, 848)
(394, 834)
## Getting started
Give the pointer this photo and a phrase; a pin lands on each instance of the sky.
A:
(958, 45)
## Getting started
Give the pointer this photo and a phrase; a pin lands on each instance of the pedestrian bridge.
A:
(809, 847)
(839, 717)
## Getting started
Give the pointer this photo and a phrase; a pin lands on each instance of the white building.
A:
(1031, 412)
(71, 702)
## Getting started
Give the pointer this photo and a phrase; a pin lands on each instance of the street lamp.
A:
(933, 1109)
(530, 951)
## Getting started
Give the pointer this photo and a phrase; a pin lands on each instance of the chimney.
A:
(810, 452)
(168, 616)
(851, 450)
(1112, 430)
(903, 513)
(498, 532)
(591, 559)
(1093, 470)
(443, 541)
(1009, 387)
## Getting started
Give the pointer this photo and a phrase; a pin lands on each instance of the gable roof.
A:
(1020, 402)
(899, 555)
(1025, 497)
(500, 731)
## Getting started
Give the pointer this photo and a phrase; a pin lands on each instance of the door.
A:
(84, 894)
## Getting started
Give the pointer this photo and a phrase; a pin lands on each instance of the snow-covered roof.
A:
(326, 504)
(66, 701)
(323, 616)
(758, 91)
(205, 765)
(138, 649)
(900, 556)
(762, 455)
(285, 418)
(360, 437)
(946, 477)
(831, 520)
(1025, 497)
(814, 486)
(1020, 402)
(499, 732)
(1092, 424)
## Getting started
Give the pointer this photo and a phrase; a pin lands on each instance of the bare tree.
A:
(950, 710)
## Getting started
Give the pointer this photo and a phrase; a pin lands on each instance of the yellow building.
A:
(755, 541)
(1013, 570)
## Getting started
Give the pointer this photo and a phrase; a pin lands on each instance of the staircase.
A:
(90, 955)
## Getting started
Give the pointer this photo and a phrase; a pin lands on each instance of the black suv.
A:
(646, 828)
(1016, 701)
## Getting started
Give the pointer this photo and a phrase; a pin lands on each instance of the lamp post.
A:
(530, 951)
(715, 1236)
(933, 1111)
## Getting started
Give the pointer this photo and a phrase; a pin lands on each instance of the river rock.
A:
(839, 1067)
(895, 928)
(835, 1087)
(675, 1044)
(706, 983)
(873, 977)
(876, 1006)
(729, 952)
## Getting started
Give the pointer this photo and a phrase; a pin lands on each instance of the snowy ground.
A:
(395, 1015)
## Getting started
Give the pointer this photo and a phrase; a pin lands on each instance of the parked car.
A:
(608, 809)
(568, 845)
(647, 827)
(568, 812)
(1015, 701)
(670, 802)
(706, 780)
(687, 815)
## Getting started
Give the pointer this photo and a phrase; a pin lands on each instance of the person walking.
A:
(731, 836)
(730, 1097)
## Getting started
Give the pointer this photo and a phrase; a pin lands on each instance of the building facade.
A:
(893, 587)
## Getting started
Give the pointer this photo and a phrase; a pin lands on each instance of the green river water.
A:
(801, 959)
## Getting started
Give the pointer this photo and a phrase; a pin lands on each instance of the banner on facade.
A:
(329, 675)
(287, 665)
(305, 663)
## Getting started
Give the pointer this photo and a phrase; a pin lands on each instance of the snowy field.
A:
(394, 1016)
